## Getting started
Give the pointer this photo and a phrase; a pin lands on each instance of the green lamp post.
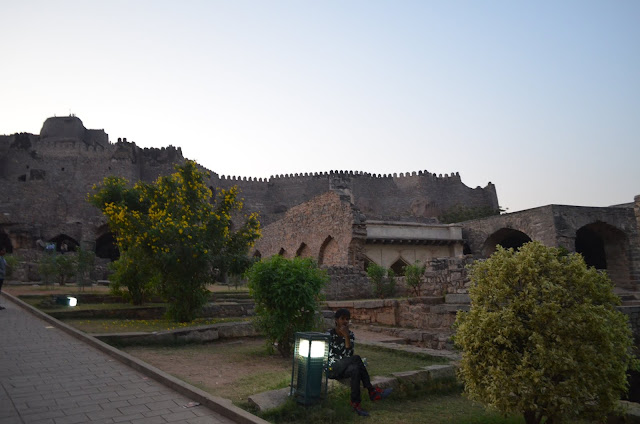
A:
(309, 374)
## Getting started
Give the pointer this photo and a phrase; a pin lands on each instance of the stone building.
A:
(343, 219)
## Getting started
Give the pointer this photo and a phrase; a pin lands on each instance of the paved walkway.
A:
(49, 375)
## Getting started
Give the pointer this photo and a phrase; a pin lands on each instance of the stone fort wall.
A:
(45, 180)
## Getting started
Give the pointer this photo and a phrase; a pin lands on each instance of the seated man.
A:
(344, 364)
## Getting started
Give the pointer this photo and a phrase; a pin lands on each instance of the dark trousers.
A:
(353, 368)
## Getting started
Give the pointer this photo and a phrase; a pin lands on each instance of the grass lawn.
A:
(103, 326)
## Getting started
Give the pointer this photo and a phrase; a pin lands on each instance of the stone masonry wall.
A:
(442, 276)
(323, 228)
(421, 196)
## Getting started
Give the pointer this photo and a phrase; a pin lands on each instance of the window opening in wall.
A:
(257, 254)
(282, 252)
(398, 266)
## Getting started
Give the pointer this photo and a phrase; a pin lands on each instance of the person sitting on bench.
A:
(344, 364)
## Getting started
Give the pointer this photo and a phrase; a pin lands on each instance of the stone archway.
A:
(106, 247)
(505, 237)
(5, 242)
(328, 252)
(605, 247)
(61, 240)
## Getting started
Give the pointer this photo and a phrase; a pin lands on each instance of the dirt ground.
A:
(209, 365)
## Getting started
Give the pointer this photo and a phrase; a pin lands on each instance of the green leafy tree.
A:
(287, 295)
(184, 233)
(543, 336)
(383, 280)
(413, 276)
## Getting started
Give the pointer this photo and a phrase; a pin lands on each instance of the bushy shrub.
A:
(287, 295)
(413, 276)
(543, 336)
(383, 280)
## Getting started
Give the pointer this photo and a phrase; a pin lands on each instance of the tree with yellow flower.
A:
(181, 229)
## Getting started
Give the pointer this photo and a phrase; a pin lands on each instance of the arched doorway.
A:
(505, 237)
(106, 247)
(5, 242)
(605, 247)
(328, 254)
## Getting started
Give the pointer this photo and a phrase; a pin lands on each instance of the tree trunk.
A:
(530, 417)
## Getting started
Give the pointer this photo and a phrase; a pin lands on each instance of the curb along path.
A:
(51, 373)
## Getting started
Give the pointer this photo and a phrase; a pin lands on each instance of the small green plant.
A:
(287, 295)
(65, 267)
(413, 276)
(383, 280)
(461, 213)
(85, 260)
(47, 268)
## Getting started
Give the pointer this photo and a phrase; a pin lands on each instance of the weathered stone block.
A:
(386, 318)
(457, 298)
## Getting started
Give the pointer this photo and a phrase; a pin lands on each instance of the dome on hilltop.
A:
(67, 127)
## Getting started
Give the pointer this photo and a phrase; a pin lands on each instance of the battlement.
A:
(435, 177)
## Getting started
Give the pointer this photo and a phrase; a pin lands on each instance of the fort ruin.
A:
(343, 219)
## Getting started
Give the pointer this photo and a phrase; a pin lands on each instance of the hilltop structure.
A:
(343, 219)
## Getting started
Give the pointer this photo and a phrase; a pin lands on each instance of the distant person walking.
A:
(3, 269)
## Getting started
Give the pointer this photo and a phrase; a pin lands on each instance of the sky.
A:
(541, 98)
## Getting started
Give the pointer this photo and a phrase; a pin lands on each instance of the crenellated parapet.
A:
(436, 177)
(421, 195)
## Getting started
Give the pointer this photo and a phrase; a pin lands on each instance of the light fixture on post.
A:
(66, 300)
(309, 374)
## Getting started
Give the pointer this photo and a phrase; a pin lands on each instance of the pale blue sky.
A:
(542, 98)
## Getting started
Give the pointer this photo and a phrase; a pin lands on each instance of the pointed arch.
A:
(282, 252)
(398, 266)
(328, 254)
(303, 251)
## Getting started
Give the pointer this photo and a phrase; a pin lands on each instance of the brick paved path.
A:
(49, 377)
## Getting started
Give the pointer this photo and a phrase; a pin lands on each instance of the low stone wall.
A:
(418, 312)
(347, 282)
(442, 276)
(202, 334)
